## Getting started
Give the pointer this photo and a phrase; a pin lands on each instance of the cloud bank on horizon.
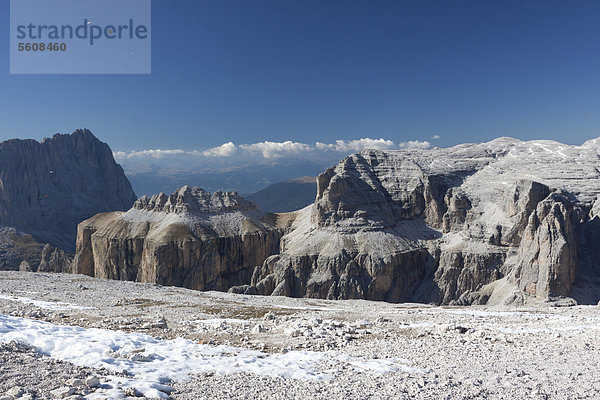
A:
(246, 168)
(268, 150)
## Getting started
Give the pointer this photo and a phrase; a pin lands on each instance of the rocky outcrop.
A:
(191, 238)
(547, 260)
(48, 187)
(490, 223)
(54, 260)
(496, 222)
(17, 247)
(21, 251)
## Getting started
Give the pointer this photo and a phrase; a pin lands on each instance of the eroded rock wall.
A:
(191, 239)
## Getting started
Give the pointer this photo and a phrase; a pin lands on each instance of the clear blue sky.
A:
(254, 70)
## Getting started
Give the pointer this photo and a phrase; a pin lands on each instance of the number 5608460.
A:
(42, 46)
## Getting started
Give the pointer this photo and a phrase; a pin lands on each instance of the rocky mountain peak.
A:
(48, 187)
(193, 199)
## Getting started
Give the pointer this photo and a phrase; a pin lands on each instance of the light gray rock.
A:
(92, 381)
(159, 323)
(54, 260)
(25, 267)
(243, 289)
(192, 199)
(132, 392)
(74, 382)
(62, 392)
(503, 222)
(548, 251)
(15, 391)
(191, 238)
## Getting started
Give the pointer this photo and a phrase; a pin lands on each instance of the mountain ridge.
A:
(501, 222)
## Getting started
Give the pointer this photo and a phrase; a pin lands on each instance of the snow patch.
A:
(47, 305)
(151, 363)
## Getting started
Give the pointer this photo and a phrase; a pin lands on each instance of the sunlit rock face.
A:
(191, 238)
(499, 222)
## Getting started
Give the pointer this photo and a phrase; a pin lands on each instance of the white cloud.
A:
(276, 149)
(157, 153)
(225, 150)
(229, 153)
(357, 145)
(233, 166)
(435, 137)
(414, 144)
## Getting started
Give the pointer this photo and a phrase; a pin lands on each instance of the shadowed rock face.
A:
(48, 187)
(498, 222)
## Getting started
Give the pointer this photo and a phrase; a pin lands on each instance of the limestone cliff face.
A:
(497, 223)
(54, 260)
(190, 238)
(335, 264)
(48, 187)
(548, 252)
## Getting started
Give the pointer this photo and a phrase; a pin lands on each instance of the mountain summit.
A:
(48, 187)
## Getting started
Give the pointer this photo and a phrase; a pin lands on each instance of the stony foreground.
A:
(301, 348)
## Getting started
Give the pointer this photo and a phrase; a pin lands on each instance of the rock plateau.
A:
(190, 238)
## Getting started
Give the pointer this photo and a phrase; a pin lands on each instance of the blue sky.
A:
(251, 70)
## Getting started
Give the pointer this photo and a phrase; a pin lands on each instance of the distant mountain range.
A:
(245, 168)
(245, 179)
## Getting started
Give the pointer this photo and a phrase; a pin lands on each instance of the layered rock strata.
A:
(498, 222)
(191, 238)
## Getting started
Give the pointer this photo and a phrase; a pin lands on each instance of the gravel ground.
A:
(450, 352)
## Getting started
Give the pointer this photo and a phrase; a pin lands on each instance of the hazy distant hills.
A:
(245, 168)
(245, 179)
(286, 196)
